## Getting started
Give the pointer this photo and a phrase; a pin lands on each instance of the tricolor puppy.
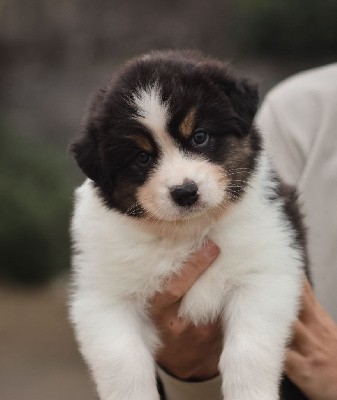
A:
(173, 159)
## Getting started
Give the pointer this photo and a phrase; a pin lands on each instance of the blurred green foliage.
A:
(295, 28)
(36, 185)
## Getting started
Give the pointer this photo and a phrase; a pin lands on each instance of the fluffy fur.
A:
(166, 124)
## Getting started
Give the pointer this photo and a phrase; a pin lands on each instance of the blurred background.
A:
(52, 55)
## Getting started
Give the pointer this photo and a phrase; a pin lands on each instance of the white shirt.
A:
(299, 122)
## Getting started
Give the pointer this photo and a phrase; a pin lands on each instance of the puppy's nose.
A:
(185, 194)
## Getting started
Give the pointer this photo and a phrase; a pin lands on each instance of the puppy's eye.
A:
(200, 137)
(143, 158)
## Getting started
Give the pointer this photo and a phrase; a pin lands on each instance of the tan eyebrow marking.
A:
(142, 142)
(186, 127)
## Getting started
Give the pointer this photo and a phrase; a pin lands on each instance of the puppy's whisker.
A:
(239, 169)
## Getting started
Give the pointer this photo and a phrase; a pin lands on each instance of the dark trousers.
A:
(290, 392)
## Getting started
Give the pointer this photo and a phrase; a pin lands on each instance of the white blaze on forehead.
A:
(152, 112)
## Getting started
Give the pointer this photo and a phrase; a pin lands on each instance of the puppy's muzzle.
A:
(185, 195)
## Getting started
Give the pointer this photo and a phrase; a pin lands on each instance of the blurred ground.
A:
(38, 355)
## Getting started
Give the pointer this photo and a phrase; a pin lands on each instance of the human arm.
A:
(311, 361)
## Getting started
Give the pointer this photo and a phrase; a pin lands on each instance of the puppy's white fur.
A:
(119, 264)
(253, 285)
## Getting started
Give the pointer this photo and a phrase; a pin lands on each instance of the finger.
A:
(195, 266)
(180, 283)
(302, 340)
(308, 289)
(295, 366)
(308, 300)
(312, 313)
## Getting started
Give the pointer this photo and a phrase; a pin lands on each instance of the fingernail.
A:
(211, 250)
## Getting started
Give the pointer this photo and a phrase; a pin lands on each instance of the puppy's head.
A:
(170, 137)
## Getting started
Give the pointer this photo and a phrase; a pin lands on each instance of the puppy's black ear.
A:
(85, 151)
(245, 98)
(242, 94)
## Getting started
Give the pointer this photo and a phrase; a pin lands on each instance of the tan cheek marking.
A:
(216, 171)
(146, 194)
(186, 127)
(142, 142)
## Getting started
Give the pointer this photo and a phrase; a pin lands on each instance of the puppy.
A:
(173, 159)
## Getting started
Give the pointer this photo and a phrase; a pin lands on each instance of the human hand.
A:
(188, 352)
(311, 361)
